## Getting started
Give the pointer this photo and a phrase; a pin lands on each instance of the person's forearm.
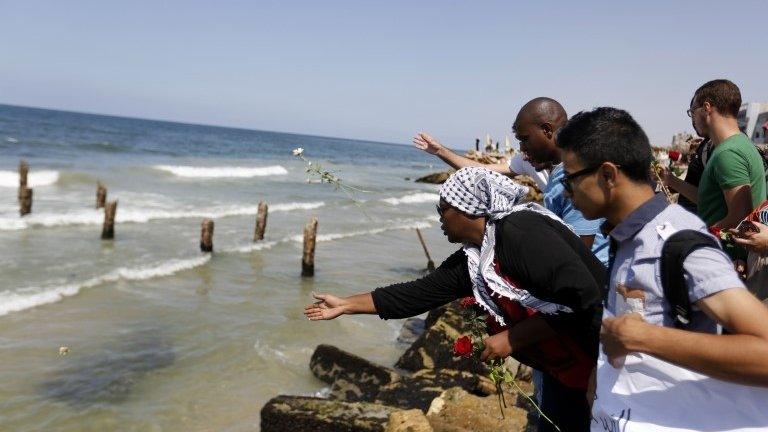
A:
(454, 160)
(529, 331)
(684, 188)
(737, 358)
(359, 304)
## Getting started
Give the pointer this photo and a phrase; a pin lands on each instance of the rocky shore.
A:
(426, 390)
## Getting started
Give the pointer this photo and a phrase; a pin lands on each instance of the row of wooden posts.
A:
(206, 231)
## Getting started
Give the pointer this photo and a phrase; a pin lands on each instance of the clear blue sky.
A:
(377, 70)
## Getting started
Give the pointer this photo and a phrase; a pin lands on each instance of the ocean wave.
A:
(27, 298)
(10, 179)
(337, 236)
(222, 172)
(413, 198)
(96, 217)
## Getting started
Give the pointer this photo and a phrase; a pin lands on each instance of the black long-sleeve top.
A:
(542, 255)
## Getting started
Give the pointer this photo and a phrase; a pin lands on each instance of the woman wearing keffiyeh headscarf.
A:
(526, 268)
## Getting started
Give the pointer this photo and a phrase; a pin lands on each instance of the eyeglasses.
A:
(566, 180)
(691, 111)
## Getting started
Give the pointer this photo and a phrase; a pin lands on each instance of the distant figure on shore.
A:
(527, 269)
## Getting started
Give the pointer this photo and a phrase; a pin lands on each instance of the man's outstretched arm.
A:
(432, 146)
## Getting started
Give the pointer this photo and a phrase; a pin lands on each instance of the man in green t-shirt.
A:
(733, 182)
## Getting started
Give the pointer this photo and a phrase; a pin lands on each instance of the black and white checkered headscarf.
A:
(478, 191)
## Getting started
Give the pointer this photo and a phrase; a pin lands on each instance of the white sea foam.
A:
(11, 139)
(251, 247)
(222, 172)
(337, 236)
(129, 215)
(10, 179)
(413, 199)
(26, 298)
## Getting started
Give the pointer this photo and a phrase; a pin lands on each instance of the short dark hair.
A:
(722, 94)
(608, 134)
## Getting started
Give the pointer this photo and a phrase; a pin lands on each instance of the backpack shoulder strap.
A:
(674, 252)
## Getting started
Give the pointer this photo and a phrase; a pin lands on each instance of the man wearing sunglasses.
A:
(650, 375)
(536, 127)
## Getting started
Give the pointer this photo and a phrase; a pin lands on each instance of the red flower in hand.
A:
(463, 347)
(467, 302)
(674, 155)
(715, 231)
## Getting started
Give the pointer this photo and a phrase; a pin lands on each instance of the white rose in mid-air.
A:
(298, 152)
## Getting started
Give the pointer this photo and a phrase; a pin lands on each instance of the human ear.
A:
(549, 131)
(610, 173)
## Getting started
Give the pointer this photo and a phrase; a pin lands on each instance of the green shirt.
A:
(734, 162)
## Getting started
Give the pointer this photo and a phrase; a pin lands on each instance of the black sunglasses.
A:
(566, 180)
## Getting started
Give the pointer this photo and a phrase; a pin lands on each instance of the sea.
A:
(145, 332)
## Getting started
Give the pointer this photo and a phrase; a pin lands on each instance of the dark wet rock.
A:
(435, 178)
(309, 414)
(353, 377)
(418, 390)
(434, 348)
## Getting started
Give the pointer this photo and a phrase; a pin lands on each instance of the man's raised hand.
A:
(425, 142)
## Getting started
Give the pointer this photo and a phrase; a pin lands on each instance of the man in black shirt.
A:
(513, 255)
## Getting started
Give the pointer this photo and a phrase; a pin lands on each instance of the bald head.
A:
(542, 110)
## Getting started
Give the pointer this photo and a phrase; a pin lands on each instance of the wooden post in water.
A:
(206, 236)
(430, 263)
(261, 221)
(101, 195)
(23, 171)
(108, 230)
(25, 201)
(308, 258)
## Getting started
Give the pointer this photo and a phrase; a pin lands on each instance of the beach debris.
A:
(308, 256)
(108, 230)
(430, 263)
(206, 236)
(63, 350)
(261, 221)
(101, 195)
(25, 201)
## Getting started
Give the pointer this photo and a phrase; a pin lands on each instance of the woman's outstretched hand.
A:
(327, 307)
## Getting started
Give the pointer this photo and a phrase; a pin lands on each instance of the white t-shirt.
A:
(520, 166)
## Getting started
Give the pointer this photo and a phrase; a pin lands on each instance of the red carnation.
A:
(463, 347)
(467, 302)
(674, 155)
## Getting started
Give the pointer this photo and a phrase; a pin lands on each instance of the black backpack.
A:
(675, 250)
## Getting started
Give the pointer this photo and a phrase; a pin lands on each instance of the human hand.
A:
(754, 241)
(496, 346)
(622, 335)
(327, 307)
(425, 142)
